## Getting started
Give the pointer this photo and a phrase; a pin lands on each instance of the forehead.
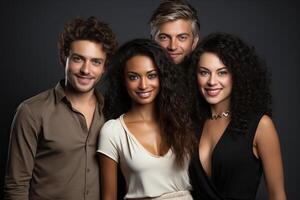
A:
(88, 49)
(210, 61)
(176, 27)
(140, 64)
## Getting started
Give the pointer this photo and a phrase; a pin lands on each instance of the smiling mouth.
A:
(84, 79)
(213, 92)
(144, 94)
(174, 55)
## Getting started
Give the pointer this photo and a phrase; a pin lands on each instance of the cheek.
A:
(130, 85)
(156, 83)
(156, 86)
(201, 85)
(200, 81)
(187, 45)
(163, 44)
(98, 70)
(72, 67)
(228, 82)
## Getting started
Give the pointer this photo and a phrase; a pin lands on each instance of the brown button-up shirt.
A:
(52, 153)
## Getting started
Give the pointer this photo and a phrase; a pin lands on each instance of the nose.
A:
(172, 45)
(85, 68)
(212, 79)
(143, 84)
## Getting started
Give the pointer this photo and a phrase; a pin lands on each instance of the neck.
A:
(143, 112)
(78, 98)
(220, 108)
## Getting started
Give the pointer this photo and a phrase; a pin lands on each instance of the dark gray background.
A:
(29, 56)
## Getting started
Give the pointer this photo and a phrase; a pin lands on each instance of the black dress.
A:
(235, 171)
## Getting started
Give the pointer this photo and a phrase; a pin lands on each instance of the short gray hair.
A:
(172, 10)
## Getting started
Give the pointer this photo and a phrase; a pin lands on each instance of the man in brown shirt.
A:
(52, 152)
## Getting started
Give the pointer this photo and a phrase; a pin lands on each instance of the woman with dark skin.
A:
(237, 138)
(150, 133)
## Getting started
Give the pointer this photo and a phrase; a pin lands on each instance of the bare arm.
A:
(268, 147)
(108, 177)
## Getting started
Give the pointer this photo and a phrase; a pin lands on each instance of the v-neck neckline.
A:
(213, 151)
(167, 154)
(206, 177)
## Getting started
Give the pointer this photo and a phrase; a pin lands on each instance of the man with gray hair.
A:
(175, 27)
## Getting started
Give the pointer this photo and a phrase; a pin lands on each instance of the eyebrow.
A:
(83, 57)
(165, 34)
(183, 34)
(168, 35)
(148, 72)
(76, 54)
(219, 69)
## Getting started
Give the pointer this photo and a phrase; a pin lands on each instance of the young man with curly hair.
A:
(52, 152)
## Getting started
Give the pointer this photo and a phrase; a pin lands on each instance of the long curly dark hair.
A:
(251, 82)
(90, 29)
(171, 102)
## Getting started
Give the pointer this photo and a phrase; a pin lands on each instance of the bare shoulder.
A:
(265, 130)
(265, 122)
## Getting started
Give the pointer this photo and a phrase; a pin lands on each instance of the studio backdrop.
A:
(29, 56)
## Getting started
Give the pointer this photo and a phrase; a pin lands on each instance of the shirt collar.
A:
(60, 95)
(59, 91)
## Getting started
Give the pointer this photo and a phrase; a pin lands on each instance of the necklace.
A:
(220, 115)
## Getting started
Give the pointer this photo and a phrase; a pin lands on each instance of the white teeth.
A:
(143, 94)
(213, 92)
(84, 80)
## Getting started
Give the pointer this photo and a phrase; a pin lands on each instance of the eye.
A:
(132, 77)
(223, 73)
(183, 38)
(152, 76)
(203, 73)
(97, 62)
(162, 38)
(76, 59)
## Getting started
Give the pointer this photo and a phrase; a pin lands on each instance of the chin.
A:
(143, 101)
(84, 89)
(178, 61)
(212, 101)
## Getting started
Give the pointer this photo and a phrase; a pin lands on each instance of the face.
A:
(84, 66)
(214, 80)
(141, 80)
(177, 38)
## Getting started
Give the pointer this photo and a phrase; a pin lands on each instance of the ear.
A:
(195, 42)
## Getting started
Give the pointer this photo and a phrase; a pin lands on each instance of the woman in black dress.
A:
(237, 138)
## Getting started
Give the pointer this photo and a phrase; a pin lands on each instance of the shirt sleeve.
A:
(21, 154)
(108, 140)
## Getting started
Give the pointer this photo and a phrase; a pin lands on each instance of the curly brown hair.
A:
(251, 80)
(90, 29)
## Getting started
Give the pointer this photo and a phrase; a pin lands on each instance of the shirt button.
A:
(87, 192)
(88, 170)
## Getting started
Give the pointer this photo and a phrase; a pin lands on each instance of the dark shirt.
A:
(235, 171)
(52, 153)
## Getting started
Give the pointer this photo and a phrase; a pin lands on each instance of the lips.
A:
(174, 55)
(144, 95)
(213, 92)
(84, 80)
